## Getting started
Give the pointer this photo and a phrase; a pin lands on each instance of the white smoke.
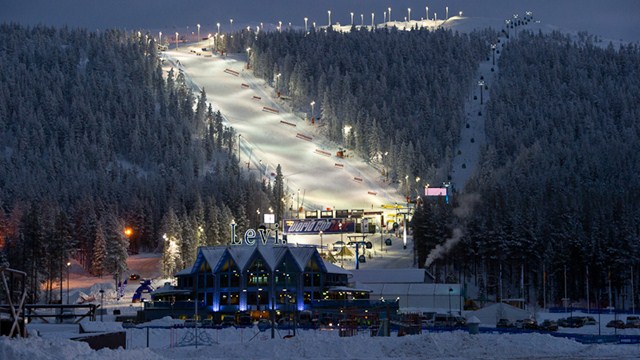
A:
(465, 207)
(441, 250)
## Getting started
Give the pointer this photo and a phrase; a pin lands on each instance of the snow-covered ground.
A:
(51, 342)
(270, 135)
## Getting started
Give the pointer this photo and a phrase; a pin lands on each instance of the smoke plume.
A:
(465, 207)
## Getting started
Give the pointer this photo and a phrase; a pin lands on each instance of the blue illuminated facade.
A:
(229, 279)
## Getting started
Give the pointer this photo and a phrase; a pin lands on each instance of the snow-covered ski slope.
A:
(270, 135)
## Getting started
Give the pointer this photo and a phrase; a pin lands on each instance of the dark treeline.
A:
(400, 94)
(558, 190)
(95, 138)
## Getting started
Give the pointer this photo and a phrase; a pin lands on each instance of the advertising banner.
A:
(314, 226)
(436, 191)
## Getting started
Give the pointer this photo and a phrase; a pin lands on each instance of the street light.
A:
(68, 266)
(450, 291)
(446, 13)
(231, 26)
(389, 13)
(372, 20)
(198, 33)
(427, 9)
(481, 84)
(384, 16)
(361, 19)
(305, 24)
(176, 40)
(160, 38)
(352, 18)
(329, 13)
(101, 305)
(493, 50)
(218, 27)
(409, 14)
(313, 103)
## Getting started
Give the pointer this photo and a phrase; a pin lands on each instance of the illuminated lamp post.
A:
(176, 40)
(198, 32)
(68, 266)
(427, 9)
(481, 84)
(493, 50)
(389, 9)
(313, 103)
(409, 14)
(329, 14)
(231, 24)
(373, 15)
(352, 18)
(305, 24)
(101, 304)
(384, 16)
(160, 38)
(361, 19)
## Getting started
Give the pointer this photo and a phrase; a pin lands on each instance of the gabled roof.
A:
(335, 269)
(213, 256)
(272, 255)
(241, 255)
(302, 254)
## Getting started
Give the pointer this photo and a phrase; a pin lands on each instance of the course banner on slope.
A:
(314, 226)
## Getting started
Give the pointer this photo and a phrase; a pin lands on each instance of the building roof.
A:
(414, 289)
(391, 276)
(272, 255)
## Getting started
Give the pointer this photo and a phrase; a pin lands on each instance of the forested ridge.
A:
(95, 138)
(558, 190)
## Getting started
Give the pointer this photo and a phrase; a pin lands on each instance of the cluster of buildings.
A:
(285, 279)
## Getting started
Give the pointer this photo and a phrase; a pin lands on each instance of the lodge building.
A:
(259, 279)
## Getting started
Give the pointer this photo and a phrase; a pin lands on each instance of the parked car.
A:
(504, 323)
(190, 323)
(633, 322)
(441, 320)
(549, 325)
(530, 324)
(575, 321)
(208, 323)
(244, 320)
(617, 324)
(228, 321)
(589, 320)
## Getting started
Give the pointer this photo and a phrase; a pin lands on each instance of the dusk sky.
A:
(612, 19)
